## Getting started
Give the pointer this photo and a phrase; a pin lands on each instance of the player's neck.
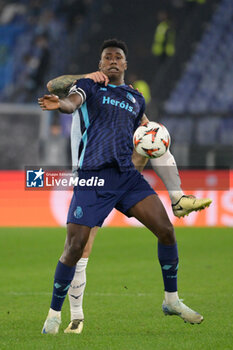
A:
(117, 81)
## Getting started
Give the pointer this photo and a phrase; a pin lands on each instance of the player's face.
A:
(113, 62)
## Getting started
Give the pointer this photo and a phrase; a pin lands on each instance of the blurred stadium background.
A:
(180, 55)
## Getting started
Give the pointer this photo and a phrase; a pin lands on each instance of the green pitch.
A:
(124, 291)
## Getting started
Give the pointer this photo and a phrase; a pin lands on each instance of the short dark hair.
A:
(114, 43)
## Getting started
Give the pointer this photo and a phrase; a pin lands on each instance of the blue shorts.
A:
(91, 203)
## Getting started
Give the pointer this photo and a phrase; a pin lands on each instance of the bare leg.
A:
(88, 247)
(77, 237)
(150, 212)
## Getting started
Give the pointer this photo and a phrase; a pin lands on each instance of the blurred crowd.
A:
(39, 39)
(48, 28)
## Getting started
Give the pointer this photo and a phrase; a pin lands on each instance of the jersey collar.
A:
(114, 86)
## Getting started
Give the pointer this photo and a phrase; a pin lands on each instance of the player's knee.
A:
(167, 235)
(73, 251)
(77, 237)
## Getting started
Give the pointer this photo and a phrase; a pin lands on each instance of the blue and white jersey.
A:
(108, 118)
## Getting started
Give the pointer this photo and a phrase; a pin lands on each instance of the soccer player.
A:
(165, 167)
(109, 116)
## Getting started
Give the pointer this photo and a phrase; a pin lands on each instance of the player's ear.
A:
(100, 65)
(126, 65)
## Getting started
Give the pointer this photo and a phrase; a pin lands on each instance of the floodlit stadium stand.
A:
(206, 83)
(191, 92)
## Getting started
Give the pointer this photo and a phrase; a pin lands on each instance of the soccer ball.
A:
(151, 140)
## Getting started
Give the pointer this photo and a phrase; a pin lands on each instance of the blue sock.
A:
(62, 279)
(168, 258)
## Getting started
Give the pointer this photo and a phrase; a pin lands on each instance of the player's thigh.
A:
(151, 213)
(90, 242)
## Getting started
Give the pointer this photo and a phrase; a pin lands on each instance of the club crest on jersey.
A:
(130, 97)
(78, 213)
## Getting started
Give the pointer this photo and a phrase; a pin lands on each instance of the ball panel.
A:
(151, 140)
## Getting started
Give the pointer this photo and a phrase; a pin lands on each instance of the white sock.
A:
(171, 297)
(76, 290)
(54, 313)
(165, 167)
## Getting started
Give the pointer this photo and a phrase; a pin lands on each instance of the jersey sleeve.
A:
(140, 114)
(83, 87)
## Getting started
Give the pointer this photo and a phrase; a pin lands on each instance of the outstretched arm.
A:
(60, 86)
(66, 105)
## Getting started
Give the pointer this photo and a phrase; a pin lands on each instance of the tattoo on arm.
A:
(60, 86)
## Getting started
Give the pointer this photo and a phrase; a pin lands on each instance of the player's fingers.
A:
(98, 77)
(54, 98)
(92, 76)
(43, 107)
(134, 88)
(106, 80)
(44, 103)
(103, 78)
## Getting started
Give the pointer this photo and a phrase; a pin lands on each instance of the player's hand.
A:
(49, 102)
(131, 86)
(98, 77)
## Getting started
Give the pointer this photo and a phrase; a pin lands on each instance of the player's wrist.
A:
(59, 105)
